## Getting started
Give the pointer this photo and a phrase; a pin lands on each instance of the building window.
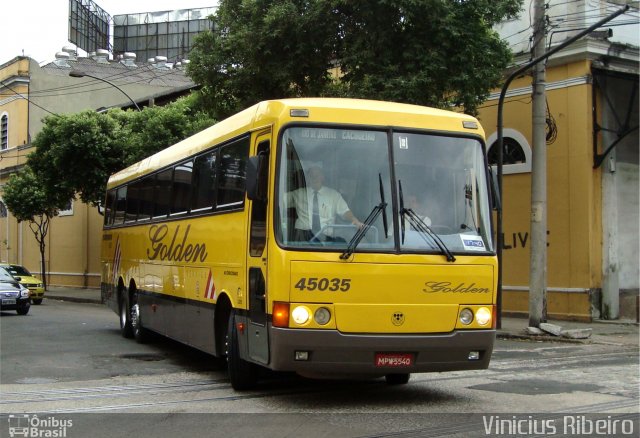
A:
(3, 210)
(67, 210)
(4, 131)
(516, 155)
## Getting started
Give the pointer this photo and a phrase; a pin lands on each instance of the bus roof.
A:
(322, 110)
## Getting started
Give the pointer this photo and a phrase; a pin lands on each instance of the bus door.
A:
(258, 341)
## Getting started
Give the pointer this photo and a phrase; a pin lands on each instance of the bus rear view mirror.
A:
(257, 168)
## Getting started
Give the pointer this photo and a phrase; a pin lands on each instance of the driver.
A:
(316, 207)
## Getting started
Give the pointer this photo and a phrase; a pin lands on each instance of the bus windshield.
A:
(331, 181)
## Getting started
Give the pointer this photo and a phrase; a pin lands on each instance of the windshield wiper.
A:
(425, 230)
(357, 238)
(420, 226)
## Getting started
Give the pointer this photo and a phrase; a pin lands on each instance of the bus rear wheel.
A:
(241, 373)
(139, 332)
(397, 379)
(126, 329)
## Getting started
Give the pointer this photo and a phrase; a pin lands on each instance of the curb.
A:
(73, 299)
(541, 338)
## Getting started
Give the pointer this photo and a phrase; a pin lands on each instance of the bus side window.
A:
(162, 193)
(133, 195)
(145, 209)
(181, 191)
(232, 174)
(204, 182)
(259, 214)
(120, 205)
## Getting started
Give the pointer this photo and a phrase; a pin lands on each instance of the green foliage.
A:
(76, 153)
(263, 49)
(157, 128)
(27, 198)
(431, 52)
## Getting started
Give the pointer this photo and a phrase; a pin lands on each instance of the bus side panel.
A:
(201, 259)
(200, 292)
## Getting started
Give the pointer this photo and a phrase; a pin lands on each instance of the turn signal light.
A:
(280, 314)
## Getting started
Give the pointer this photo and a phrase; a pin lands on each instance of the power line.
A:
(119, 75)
(28, 100)
(92, 83)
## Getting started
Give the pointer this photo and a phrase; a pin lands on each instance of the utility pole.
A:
(503, 94)
(538, 261)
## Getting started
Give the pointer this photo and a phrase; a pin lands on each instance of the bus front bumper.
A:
(329, 352)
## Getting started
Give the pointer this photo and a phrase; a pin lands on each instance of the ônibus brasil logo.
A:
(32, 426)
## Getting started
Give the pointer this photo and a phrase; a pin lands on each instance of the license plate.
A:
(394, 360)
(8, 301)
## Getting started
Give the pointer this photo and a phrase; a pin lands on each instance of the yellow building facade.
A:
(579, 215)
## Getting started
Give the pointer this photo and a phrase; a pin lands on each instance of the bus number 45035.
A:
(324, 284)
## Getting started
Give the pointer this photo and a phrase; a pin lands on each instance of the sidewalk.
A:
(603, 332)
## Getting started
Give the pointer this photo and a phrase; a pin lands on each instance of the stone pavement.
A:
(622, 332)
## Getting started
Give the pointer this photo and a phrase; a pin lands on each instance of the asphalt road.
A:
(68, 362)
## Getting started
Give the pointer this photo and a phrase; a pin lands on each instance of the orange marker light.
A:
(280, 314)
(494, 317)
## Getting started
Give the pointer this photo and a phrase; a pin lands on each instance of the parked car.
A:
(13, 295)
(27, 279)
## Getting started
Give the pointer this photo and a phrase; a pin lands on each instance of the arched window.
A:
(4, 131)
(516, 154)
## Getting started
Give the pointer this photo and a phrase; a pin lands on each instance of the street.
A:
(68, 360)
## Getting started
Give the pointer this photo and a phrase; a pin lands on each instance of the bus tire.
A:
(125, 318)
(241, 373)
(140, 334)
(397, 379)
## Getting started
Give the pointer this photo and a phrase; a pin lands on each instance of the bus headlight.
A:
(466, 316)
(300, 315)
(483, 316)
(322, 316)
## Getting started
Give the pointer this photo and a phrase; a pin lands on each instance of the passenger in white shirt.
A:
(316, 207)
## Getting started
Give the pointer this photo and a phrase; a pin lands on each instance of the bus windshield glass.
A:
(331, 181)
(444, 192)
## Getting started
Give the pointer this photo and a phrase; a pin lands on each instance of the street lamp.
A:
(81, 74)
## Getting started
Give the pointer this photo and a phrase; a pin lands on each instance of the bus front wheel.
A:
(241, 372)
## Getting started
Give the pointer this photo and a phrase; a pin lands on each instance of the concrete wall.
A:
(620, 212)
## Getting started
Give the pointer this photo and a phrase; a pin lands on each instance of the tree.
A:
(431, 52)
(29, 200)
(76, 153)
(264, 49)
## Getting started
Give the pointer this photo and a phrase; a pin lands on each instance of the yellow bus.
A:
(327, 237)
